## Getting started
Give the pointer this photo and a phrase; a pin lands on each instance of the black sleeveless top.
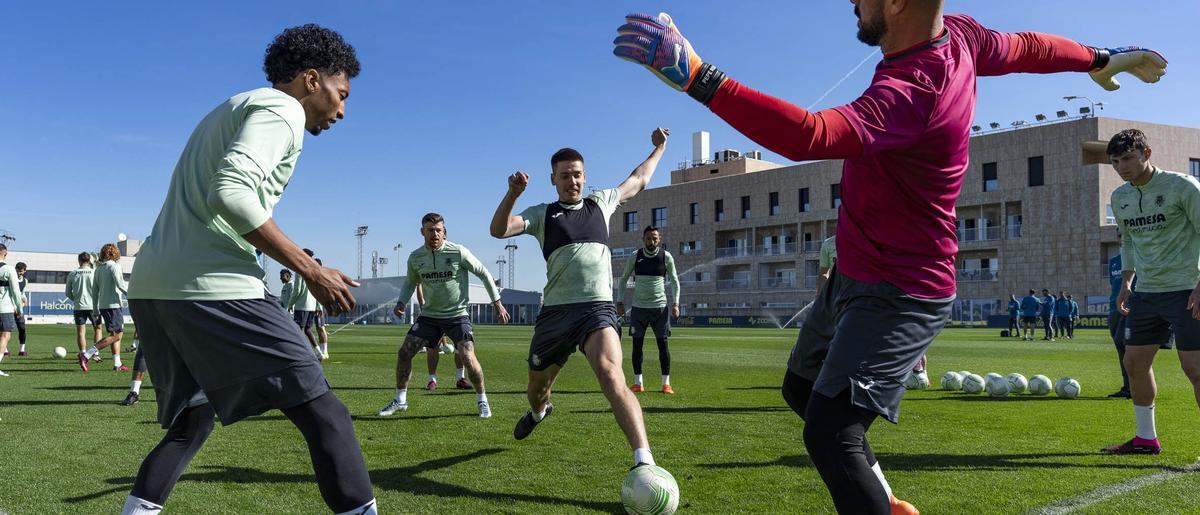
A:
(651, 265)
(566, 226)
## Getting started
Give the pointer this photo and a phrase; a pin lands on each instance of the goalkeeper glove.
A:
(655, 42)
(1143, 63)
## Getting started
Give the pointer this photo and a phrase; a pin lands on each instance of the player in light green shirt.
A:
(441, 268)
(304, 308)
(1158, 215)
(108, 286)
(79, 290)
(285, 290)
(215, 342)
(11, 302)
(654, 267)
(828, 257)
(578, 309)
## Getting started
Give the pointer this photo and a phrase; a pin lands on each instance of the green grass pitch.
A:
(727, 436)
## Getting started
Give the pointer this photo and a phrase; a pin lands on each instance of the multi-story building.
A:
(1033, 213)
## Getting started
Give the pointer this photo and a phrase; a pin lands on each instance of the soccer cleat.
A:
(527, 423)
(431, 385)
(83, 362)
(1135, 446)
(1120, 394)
(122, 368)
(392, 407)
(3, 374)
(6, 354)
(324, 356)
(463, 384)
(637, 388)
(22, 353)
(485, 411)
(97, 358)
(667, 389)
(902, 507)
(130, 399)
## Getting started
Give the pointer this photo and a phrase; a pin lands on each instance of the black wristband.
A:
(1099, 58)
(704, 87)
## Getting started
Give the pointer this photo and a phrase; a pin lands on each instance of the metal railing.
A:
(778, 249)
(728, 252)
(812, 246)
(733, 284)
(967, 275)
(776, 282)
(691, 251)
(1014, 232)
(979, 234)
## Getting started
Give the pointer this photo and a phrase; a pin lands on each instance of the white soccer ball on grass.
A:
(973, 383)
(1039, 385)
(996, 385)
(1017, 383)
(952, 381)
(1067, 388)
(650, 489)
(60, 352)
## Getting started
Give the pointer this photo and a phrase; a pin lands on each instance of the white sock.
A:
(879, 474)
(116, 360)
(539, 415)
(366, 509)
(136, 387)
(462, 373)
(139, 506)
(666, 379)
(402, 395)
(22, 348)
(90, 352)
(1, 356)
(637, 379)
(642, 455)
(432, 378)
(482, 397)
(325, 348)
(1144, 415)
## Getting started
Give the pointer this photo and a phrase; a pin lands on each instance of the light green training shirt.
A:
(10, 291)
(285, 295)
(1160, 231)
(828, 255)
(650, 291)
(442, 274)
(300, 298)
(79, 288)
(577, 272)
(233, 171)
(108, 285)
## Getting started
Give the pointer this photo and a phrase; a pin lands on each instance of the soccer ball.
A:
(1067, 388)
(1039, 385)
(952, 381)
(996, 385)
(973, 384)
(991, 376)
(60, 352)
(1017, 383)
(964, 373)
(917, 381)
(649, 489)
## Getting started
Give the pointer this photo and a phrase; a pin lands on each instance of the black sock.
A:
(336, 457)
(163, 466)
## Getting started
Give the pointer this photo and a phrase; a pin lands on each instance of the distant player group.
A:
(1058, 314)
(219, 345)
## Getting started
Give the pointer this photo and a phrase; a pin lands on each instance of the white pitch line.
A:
(1107, 492)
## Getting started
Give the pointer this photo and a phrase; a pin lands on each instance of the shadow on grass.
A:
(84, 388)
(776, 387)
(68, 402)
(966, 397)
(949, 462)
(22, 369)
(399, 479)
(712, 410)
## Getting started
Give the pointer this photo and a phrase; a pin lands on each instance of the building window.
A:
(1037, 171)
(631, 221)
(1109, 217)
(1194, 167)
(835, 196)
(719, 210)
(695, 212)
(745, 207)
(660, 216)
(804, 206)
(990, 181)
(773, 203)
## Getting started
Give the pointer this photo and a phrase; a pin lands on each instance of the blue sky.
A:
(453, 97)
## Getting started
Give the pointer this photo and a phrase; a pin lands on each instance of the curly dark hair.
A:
(306, 47)
(1128, 140)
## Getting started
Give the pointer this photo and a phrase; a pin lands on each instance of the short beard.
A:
(871, 32)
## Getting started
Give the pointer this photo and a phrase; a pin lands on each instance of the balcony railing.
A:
(733, 284)
(778, 249)
(1014, 232)
(728, 252)
(968, 275)
(691, 251)
(812, 246)
(776, 282)
(979, 234)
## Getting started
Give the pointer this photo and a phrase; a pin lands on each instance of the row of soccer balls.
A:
(997, 385)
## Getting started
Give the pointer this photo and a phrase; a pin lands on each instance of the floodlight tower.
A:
(359, 233)
(6, 236)
(399, 271)
(500, 270)
(374, 264)
(512, 263)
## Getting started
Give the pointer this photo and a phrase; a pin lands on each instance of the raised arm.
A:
(640, 178)
(504, 223)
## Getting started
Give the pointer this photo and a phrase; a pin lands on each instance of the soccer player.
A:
(79, 290)
(303, 306)
(108, 285)
(1030, 305)
(11, 303)
(22, 284)
(319, 324)
(904, 144)
(441, 267)
(1062, 314)
(577, 311)
(826, 259)
(139, 373)
(1116, 323)
(1014, 309)
(1047, 311)
(1158, 215)
(215, 341)
(655, 268)
(285, 290)
(1072, 317)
